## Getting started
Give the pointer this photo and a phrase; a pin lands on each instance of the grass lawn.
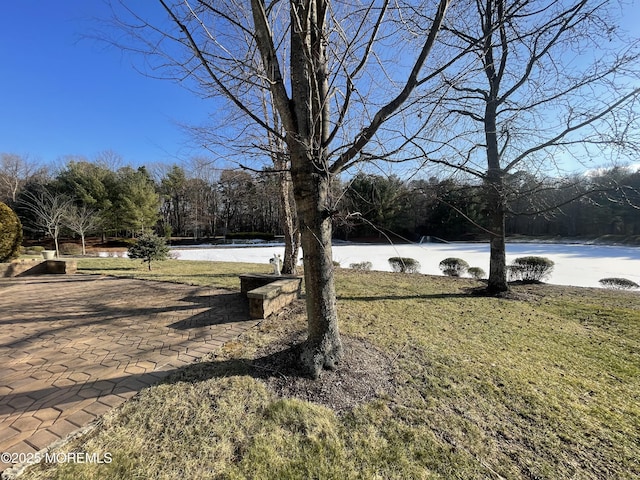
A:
(546, 385)
(221, 275)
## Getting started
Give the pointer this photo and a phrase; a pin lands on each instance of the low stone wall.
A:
(19, 268)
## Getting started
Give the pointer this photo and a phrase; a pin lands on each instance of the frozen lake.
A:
(578, 265)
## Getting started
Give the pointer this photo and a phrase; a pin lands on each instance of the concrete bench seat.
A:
(268, 294)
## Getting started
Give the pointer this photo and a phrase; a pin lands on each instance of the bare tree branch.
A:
(367, 133)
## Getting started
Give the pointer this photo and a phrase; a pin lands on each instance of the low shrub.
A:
(336, 263)
(10, 233)
(118, 243)
(361, 266)
(453, 267)
(476, 272)
(404, 264)
(618, 283)
(70, 249)
(530, 269)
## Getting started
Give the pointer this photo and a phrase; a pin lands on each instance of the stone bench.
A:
(268, 294)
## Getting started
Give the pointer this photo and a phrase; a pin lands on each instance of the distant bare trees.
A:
(15, 172)
(49, 211)
(83, 221)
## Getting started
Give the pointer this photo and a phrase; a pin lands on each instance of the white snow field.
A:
(577, 265)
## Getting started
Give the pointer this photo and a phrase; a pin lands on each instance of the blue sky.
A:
(62, 94)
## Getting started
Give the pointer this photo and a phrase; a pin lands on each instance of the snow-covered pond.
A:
(578, 265)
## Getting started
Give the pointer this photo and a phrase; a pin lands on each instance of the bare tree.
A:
(280, 158)
(110, 160)
(545, 80)
(49, 211)
(289, 217)
(257, 145)
(15, 171)
(206, 176)
(82, 220)
(334, 85)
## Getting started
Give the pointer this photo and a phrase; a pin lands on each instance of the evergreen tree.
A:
(149, 247)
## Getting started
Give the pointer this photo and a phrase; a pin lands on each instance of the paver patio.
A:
(73, 347)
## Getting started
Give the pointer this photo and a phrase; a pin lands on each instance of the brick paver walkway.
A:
(72, 347)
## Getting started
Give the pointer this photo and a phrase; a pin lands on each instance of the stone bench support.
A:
(61, 267)
(268, 294)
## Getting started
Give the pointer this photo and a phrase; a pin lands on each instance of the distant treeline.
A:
(592, 205)
(210, 202)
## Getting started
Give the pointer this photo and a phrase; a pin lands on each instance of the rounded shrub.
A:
(618, 283)
(10, 233)
(453, 267)
(404, 264)
(476, 272)
(361, 266)
(531, 269)
(70, 249)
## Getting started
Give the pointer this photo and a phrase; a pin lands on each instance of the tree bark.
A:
(289, 224)
(495, 202)
(323, 347)
(497, 282)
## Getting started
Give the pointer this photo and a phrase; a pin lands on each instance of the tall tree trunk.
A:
(312, 180)
(305, 117)
(494, 195)
(55, 241)
(496, 222)
(323, 347)
(289, 224)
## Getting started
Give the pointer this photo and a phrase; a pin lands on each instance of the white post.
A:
(276, 261)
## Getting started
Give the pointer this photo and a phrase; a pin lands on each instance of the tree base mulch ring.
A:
(508, 295)
(364, 373)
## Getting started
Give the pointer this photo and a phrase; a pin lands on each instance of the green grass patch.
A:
(543, 386)
(30, 256)
(191, 272)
